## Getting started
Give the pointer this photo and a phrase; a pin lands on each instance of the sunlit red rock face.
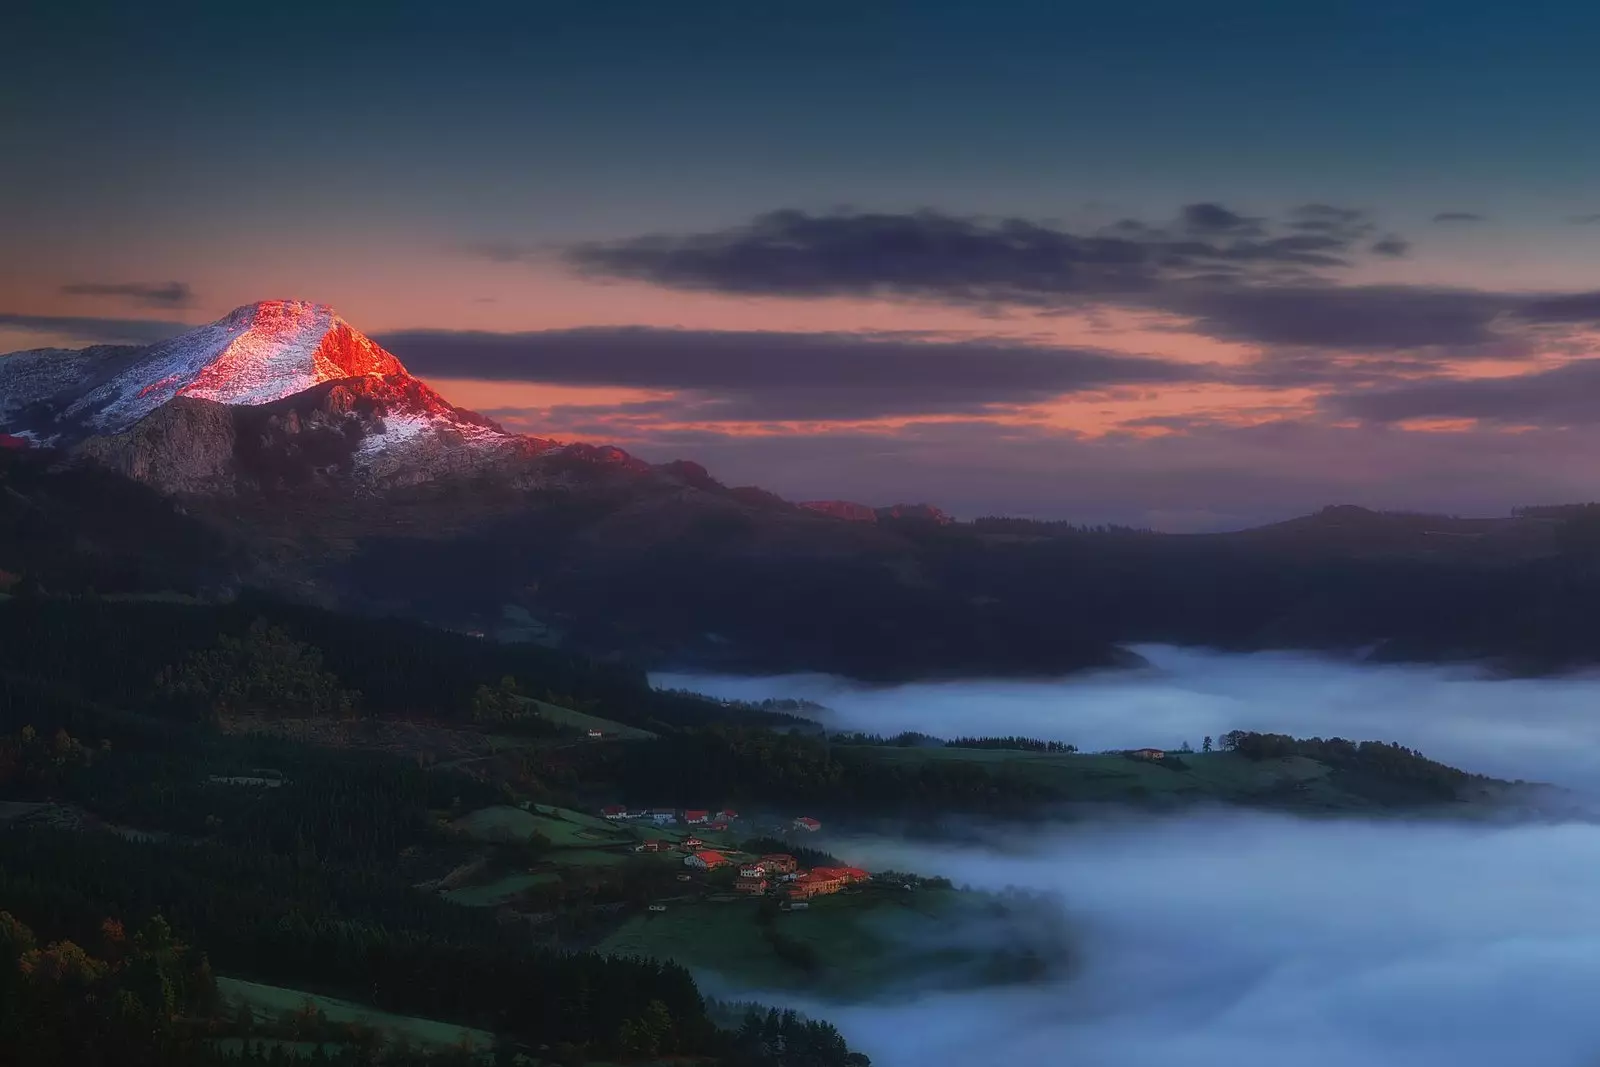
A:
(255, 355)
(280, 347)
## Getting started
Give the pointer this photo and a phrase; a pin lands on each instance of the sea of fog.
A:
(1544, 729)
(1254, 940)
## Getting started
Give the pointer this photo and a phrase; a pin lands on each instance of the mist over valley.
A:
(1537, 729)
(1250, 939)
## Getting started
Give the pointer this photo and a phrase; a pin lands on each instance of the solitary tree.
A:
(1205, 746)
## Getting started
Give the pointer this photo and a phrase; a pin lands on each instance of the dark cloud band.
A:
(96, 330)
(1272, 282)
(1565, 396)
(755, 375)
(933, 255)
(141, 294)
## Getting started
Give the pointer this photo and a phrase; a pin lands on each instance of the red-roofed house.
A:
(707, 861)
(696, 818)
(692, 843)
(803, 885)
(615, 811)
(780, 863)
(809, 825)
(820, 881)
(755, 885)
(727, 814)
(753, 870)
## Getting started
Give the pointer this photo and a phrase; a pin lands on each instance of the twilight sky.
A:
(1167, 263)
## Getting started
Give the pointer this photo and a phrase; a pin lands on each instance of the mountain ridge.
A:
(370, 492)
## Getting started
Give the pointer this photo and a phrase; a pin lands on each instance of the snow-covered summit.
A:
(308, 393)
(254, 355)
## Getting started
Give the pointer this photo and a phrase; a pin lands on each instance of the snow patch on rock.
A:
(255, 355)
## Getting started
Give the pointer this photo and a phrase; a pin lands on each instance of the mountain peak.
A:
(255, 354)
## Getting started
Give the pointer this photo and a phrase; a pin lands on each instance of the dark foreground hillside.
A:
(165, 864)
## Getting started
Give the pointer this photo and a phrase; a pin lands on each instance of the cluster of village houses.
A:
(778, 872)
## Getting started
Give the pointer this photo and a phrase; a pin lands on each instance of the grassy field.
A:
(588, 857)
(269, 1002)
(576, 818)
(580, 720)
(498, 891)
(577, 839)
(1222, 776)
(864, 944)
(564, 828)
(569, 829)
(714, 937)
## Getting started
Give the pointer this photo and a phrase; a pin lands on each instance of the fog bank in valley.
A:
(1257, 941)
(1244, 939)
(1545, 729)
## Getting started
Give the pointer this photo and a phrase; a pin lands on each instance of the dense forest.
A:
(1388, 762)
(148, 999)
(113, 650)
(914, 739)
(112, 710)
(746, 766)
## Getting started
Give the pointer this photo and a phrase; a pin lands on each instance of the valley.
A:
(436, 817)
